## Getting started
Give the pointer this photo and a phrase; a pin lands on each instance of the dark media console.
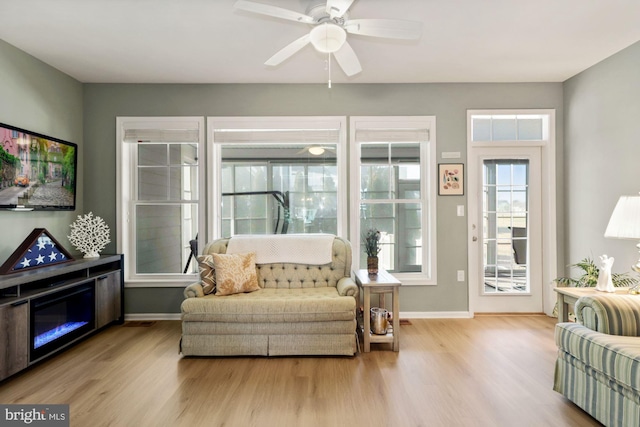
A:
(46, 310)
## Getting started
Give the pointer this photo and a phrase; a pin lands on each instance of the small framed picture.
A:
(451, 179)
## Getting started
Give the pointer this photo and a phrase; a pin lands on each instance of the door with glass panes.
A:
(505, 221)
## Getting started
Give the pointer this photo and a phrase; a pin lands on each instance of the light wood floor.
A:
(487, 371)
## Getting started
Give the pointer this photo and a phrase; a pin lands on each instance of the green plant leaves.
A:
(589, 277)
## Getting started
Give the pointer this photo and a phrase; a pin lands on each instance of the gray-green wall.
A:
(602, 153)
(598, 111)
(448, 102)
(39, 98)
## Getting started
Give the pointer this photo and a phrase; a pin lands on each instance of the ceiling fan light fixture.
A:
(328, 38)
(316, 151)
(331, 23)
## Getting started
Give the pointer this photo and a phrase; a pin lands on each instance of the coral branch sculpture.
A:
(89, 235)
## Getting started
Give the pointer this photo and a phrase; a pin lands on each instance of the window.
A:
(160, 188)
(505, 203)
(391, 169)
(509, 127)
(273, 175)
(278, 175)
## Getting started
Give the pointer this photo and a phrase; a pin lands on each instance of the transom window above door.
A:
(509, 127)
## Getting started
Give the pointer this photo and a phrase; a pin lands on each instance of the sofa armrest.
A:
(194, 290)
(610, 314)
(347, 287)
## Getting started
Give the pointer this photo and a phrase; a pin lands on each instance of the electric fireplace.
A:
(61, 317)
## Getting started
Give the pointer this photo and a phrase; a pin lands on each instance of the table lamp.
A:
(625, 224)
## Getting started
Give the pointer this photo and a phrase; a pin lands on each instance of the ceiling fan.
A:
(331, 23)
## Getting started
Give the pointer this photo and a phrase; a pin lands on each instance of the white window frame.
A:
(214, 159)
(125, 189)
(428, 172)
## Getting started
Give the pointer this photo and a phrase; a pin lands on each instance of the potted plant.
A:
(589, 277)
(372, 248)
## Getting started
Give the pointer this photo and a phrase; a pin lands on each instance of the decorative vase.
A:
(372, 265)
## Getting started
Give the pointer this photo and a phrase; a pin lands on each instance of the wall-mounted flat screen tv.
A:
(36, 171)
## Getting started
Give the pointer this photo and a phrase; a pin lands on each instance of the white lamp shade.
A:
(328, 38)
(625, 219)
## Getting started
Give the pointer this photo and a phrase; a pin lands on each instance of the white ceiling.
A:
(208, 41)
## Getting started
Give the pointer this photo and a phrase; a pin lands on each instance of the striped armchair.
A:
(598, 365)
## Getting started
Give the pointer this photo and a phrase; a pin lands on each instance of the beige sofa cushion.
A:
(235, 273)
(272, 305)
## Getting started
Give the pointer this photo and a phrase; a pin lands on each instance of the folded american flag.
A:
(43, 252)
(39, 249)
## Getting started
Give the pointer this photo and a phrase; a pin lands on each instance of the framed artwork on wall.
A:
(450, 179)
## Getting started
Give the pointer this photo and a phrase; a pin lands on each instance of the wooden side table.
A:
(567, 296)
(383, 283)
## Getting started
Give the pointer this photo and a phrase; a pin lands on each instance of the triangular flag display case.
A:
(39, 249)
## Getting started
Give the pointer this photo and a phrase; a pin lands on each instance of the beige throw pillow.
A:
(235, 273)
(207, 273)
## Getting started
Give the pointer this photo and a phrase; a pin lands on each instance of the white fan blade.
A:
(387, 28)
(337, 8)
(288, 50)
(277, 12)
(348, 60)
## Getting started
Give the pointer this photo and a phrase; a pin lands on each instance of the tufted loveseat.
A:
(298, 310)
(598, 364)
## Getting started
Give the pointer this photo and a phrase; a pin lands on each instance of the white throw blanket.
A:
(312, 249)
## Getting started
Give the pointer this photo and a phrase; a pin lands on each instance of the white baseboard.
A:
(151, 316)
(435, 315)
(403, 315)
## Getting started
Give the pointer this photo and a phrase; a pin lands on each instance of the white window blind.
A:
(161, 135)
(391, 135)
(281, 130)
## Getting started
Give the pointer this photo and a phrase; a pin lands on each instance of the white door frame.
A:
(548, 199)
